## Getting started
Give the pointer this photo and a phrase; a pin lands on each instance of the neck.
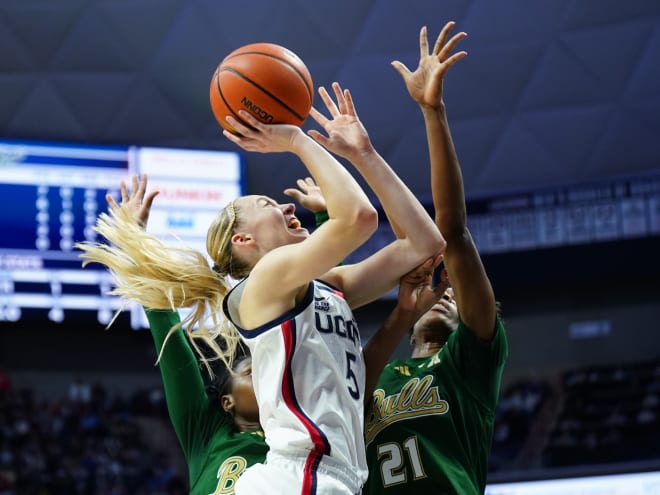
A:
(243, 424)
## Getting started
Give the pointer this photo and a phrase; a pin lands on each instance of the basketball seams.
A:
(227, 105)
(258, 86)
(268, 80)
(310, 91)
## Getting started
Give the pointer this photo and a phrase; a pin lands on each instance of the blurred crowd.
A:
(84, 444)
(609, 414)
(91, 443)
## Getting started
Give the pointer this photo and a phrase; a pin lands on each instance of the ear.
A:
(241, 238)
(227, 403)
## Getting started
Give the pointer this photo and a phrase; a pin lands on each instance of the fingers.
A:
(150, 199)
(137, 194)
(124, 191)
(423, 43)
(306, 184)
(449, 47)
(344, 104)
(330, 105)
(442, 37)
(112, 204)
(423, 273)
(293, 193)
(428, 266)
(443, 48)
(135, 185)
(454, 58)
(247, 136)
(252, 123)
(232, 137)
(349, 104)
(140, 186)
(319, 138)
(400, 68)
(242, 126)
(341, 99)
(320, 119)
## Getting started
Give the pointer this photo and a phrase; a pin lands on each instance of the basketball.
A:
(267, 80)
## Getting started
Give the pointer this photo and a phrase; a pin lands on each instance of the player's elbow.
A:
(433, 245)
(365, 221)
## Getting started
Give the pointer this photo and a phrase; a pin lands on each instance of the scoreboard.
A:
(52, 194)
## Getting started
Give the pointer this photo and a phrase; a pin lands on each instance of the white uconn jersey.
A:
(308, 375)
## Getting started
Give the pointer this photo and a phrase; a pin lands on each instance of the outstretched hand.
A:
(137, 200)
(308, 195)
(416, 292)
(262, 138)
(346, 136)
(425, 83)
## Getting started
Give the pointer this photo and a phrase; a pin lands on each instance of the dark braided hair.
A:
(220, 382)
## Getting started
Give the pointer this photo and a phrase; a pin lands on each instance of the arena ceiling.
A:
(553, 92)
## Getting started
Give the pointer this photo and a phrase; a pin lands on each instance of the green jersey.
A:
(430, 426)
(215, 451)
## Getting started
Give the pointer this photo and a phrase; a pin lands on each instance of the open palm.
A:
(425, 83)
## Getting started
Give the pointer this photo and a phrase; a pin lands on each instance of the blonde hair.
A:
(157, 275)
(219, 246)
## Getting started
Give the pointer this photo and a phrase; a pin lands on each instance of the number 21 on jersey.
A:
(398, 461)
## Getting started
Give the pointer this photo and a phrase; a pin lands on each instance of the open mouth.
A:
(294, 223)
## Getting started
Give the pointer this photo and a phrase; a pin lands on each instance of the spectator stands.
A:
(91, 443)
(84, 444)
(609, 414)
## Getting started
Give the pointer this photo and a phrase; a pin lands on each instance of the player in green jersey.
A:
(219, 431)
(430, 426)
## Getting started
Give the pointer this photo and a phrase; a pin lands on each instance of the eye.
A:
(266, 202)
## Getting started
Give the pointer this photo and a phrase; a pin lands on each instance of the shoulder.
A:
(465, 336)
(467, 349)
(231, 300)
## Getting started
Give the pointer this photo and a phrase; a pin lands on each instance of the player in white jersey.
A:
(303, 375)
(306, 419)
(299, 374)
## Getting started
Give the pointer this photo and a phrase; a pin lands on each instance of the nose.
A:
(288, 208)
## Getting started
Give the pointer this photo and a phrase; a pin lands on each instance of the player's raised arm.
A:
(418, 240)
(468, 276)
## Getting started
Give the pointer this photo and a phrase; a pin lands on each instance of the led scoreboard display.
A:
(52, 194)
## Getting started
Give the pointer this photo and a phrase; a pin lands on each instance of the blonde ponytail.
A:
(156, 275)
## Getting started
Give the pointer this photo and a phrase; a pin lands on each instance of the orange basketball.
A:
(267, 80)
